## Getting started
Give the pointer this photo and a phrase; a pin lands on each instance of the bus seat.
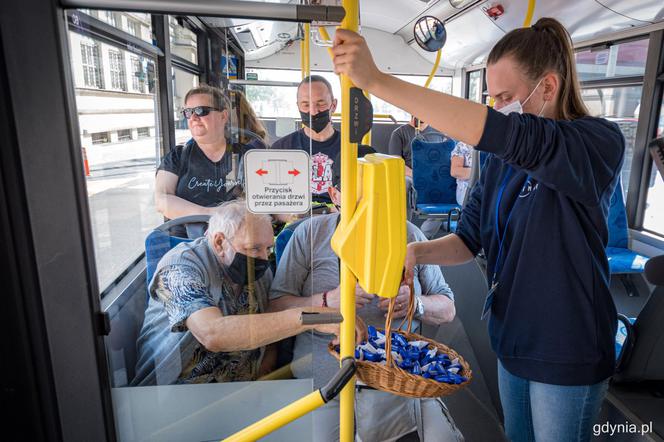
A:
(435, 187)
(622, 260)
(160, 240)
(283, 237)
(645, 361)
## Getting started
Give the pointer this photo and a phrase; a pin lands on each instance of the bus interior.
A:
(93, 92)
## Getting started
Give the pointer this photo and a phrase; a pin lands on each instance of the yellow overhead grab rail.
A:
(305, 64)
(529, 14)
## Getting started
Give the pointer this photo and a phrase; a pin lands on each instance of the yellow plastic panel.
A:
(373, 244)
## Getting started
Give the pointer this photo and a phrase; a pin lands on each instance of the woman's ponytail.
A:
(542, 48)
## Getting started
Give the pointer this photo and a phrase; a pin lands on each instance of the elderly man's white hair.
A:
(229, 217)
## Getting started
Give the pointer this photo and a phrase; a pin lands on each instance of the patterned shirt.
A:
(466, 152)
(183, 292)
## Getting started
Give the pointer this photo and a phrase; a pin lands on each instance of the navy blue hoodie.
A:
(552, 318)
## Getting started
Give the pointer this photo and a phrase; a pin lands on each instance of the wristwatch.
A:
(419, 307)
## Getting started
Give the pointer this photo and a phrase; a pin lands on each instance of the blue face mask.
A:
(517, 106)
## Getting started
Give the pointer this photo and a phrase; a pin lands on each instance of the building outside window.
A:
(91, 63)
(100, 138)
(124, 135)
(134, 27)
(109, 17)
(138, 75)
(143, 132)
(117, 69)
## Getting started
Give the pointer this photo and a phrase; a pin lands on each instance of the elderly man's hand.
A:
(362, 298)
(401, 303)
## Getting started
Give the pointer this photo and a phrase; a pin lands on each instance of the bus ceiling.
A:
(472, 30)
(265, 29)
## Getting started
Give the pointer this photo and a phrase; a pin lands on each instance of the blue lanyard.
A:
(497, 266)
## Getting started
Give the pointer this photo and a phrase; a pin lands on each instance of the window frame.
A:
(93, 72)
(651, 103)
(466, 94)
(117, 69)
(651, 84)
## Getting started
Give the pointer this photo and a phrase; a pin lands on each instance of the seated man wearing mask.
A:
(316, 104)
(310, 277)
(205, 319)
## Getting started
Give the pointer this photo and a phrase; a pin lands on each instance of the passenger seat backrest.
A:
(160, 241)
(617, 221)
(282, 239)
(431, 172)
(646, 362)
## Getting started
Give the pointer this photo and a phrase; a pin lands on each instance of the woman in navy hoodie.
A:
(539, 212)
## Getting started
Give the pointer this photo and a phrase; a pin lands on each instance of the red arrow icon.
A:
(294, 172)
(262, 172)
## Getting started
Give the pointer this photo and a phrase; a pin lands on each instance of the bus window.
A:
(438, 83)
(620, 105)
(183, 41)
(475, 86)
(116, 103)
(271, 101)
(135, 23)
(654, 214)
(182, 82)
(626, 59)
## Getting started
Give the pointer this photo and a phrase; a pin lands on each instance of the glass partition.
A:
(117, 116)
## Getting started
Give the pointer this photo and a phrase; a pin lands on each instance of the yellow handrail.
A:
(529, 14)
(348, 204)
(325, 36)
(388, 116)
(305, 64)
(435, 68)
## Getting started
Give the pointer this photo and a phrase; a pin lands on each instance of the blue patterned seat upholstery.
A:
(621, 258)
(436, 188)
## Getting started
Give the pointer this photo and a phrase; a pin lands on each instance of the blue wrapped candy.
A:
(412, 356)
(398, 340)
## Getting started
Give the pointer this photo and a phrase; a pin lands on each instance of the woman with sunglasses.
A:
(539, 212)
(194, 178)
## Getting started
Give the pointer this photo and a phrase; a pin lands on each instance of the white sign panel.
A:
(277, 181)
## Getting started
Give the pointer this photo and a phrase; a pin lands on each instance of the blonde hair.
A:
(219, 100)
(248, 119)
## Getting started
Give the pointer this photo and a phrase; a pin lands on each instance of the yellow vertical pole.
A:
(348, 205)
(529, 14)
(305, 65)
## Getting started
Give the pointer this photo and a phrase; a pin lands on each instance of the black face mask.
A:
(318, 121)
(238, 270)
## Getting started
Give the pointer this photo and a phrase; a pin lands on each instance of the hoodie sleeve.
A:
(578, 158)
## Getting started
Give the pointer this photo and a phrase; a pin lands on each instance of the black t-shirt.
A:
(323, 154)
(202, 181)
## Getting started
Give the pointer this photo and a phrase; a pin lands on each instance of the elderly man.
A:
(205, 319)
(308, 275)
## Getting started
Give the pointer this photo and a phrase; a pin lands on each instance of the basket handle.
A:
(388, 323)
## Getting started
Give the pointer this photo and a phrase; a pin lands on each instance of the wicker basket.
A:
(392, 379)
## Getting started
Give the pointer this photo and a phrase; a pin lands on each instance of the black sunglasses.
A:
(200, 111)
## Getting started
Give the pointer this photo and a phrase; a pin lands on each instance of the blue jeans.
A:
(547, 412)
